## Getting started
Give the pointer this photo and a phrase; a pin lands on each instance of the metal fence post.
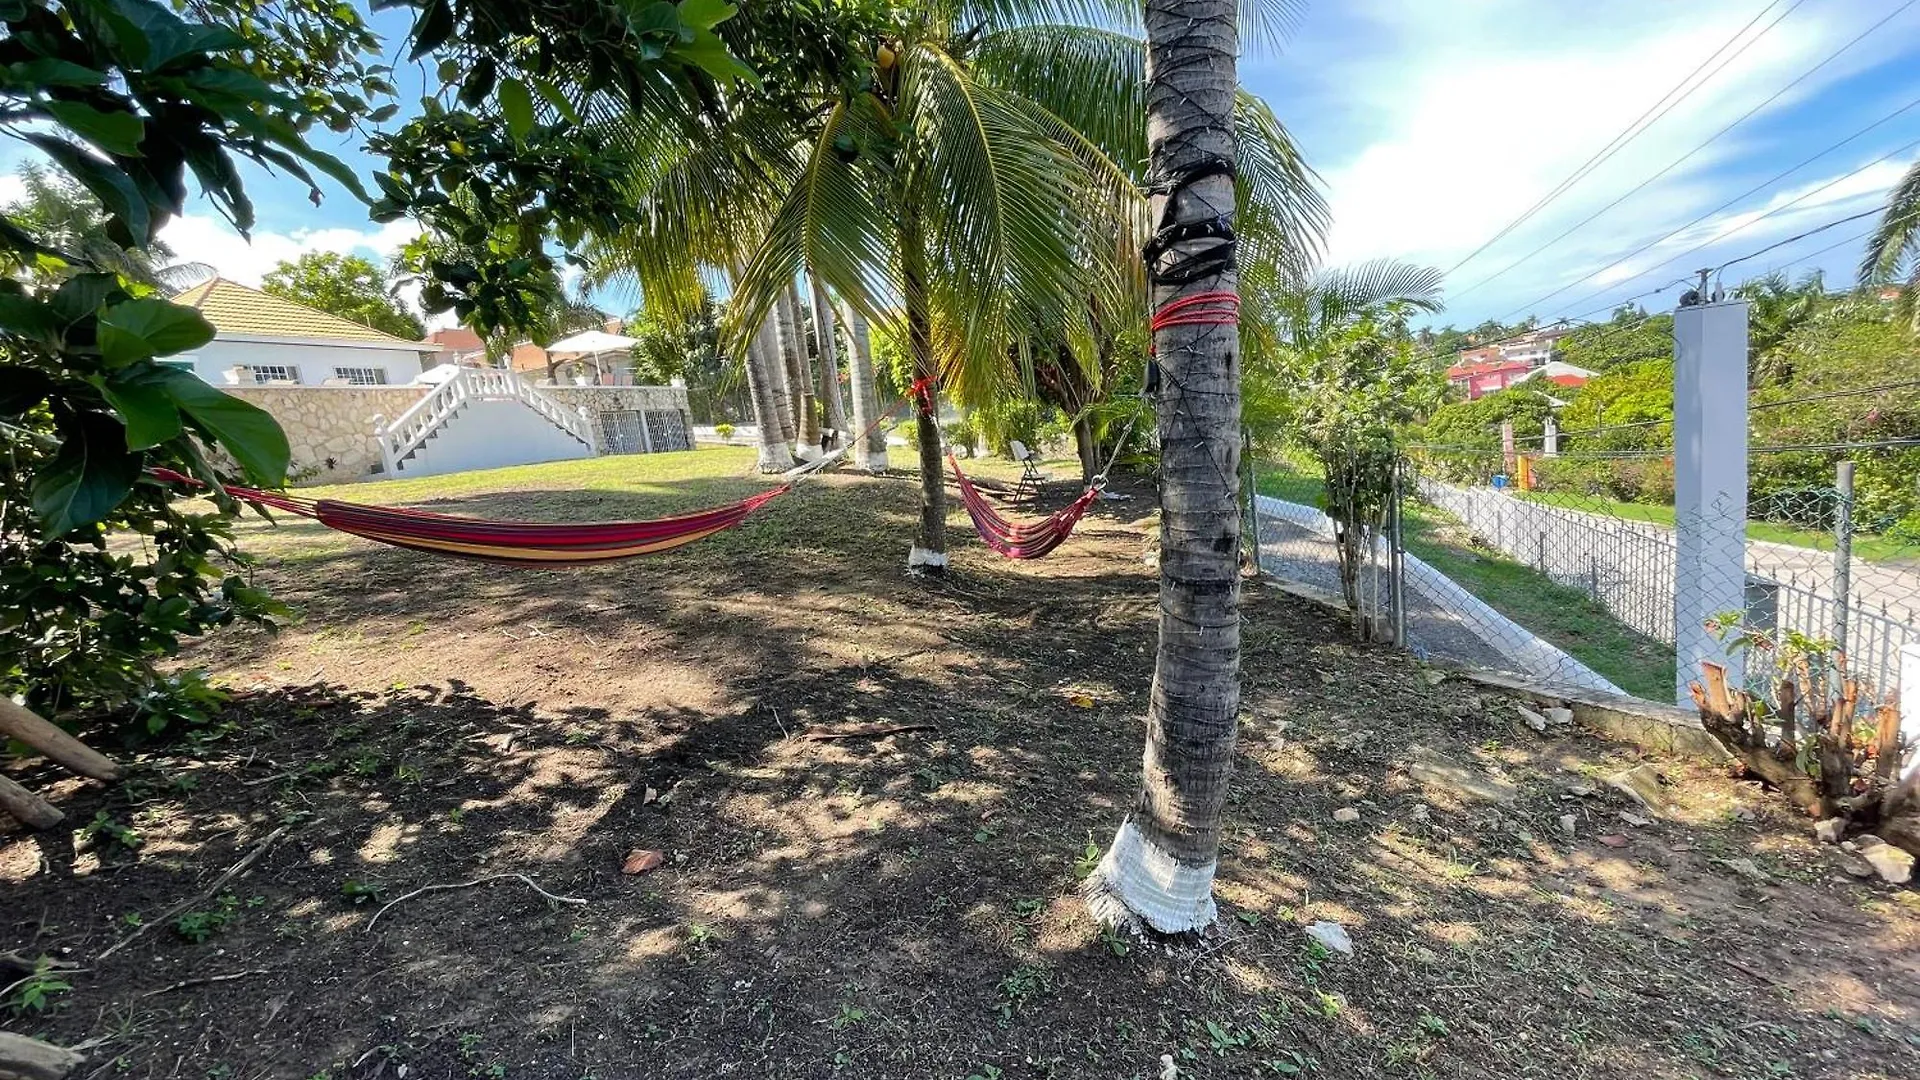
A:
(1397, 554)
(1842, 550)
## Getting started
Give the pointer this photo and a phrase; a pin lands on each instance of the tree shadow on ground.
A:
(904, 905)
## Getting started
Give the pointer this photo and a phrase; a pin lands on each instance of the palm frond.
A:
(832, 222)
(1005, 206)
(1093, 79)
(1896, 240)
(1277, 189)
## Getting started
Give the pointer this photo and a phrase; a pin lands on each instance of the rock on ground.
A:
(1894, 866)
(1642, 785)
(1331, 935)
(1438, 770)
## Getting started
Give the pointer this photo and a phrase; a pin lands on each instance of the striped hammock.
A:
(516, 543)
(1013, 540)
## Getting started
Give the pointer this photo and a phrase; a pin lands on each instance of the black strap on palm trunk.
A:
(1205, 263)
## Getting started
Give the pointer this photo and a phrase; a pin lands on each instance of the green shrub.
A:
(725, 431)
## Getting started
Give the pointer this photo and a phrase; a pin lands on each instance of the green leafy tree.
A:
(1630, 336)
(344, 285)
(124, 97)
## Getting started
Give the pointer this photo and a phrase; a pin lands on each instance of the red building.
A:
(1486, 376)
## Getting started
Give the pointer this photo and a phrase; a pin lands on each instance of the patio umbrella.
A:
(591, 343)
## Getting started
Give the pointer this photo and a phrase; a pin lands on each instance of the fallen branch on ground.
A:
(19, 722)
(423, 890)
(22, 1058)
(246, 862)
(31, 810)
(205, 980)
(861, 731)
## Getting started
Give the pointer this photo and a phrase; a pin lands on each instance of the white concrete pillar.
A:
(1910, 703)
(1709, 483)
(1550, 442)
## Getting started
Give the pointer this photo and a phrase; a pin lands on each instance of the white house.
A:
(265, 340)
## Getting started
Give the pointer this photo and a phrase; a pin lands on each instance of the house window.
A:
(272, 373)
(362, 376)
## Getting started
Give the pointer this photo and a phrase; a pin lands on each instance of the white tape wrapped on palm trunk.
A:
(1527, 651)
(1137, 880)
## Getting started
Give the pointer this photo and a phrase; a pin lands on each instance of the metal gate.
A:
(631, 431)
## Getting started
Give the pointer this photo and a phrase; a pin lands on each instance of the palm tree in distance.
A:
(65, 216)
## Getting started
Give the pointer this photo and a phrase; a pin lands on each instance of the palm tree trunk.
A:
(871, 454)
(773, 365)
(793, 348)
(1088, 447)
(930, 554)
(1160, 868)
(775, 456)
(827, 362)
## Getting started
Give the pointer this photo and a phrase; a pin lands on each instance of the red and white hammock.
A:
(1014, 540)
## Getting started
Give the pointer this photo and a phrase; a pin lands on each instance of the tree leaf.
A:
(50, 72)
(108, 182)
(659, 17)
(516, 105)
(144, 406)
(246, 432)
(557, 99)
(706, 14)
(432, 29)
(114, 132)
(710, 53)
(21, 389)
(82, 294)
(90, 475)
(142, 329)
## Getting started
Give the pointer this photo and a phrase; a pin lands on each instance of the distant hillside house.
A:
(264, 340)
(1562, 374)
(1485, 377)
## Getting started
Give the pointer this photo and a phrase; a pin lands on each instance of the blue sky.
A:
(1434, 124)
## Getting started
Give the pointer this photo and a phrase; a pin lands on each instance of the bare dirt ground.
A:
(900, 906)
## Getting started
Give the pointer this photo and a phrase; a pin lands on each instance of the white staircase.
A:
(481, 418)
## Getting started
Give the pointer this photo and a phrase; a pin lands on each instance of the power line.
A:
(1769, 182)
(1682, 159)
(1816, 230)
(1633, 130)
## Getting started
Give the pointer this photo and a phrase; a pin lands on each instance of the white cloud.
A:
(209, 239)
(1463, 115)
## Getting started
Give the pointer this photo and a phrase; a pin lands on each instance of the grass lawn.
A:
(1566, 616)
(896, 901)
(1873, 548)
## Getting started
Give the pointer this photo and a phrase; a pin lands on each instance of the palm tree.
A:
(833, 406)
(871, 454)
(1159, 869)
(1893, 250)
(63, 215)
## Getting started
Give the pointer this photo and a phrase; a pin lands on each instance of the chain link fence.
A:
(1569, 568)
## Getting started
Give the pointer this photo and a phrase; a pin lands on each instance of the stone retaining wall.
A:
(330, 428)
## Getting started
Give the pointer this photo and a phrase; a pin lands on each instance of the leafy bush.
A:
(725, 431)
(102, 571)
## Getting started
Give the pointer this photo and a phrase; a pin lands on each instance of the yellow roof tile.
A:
(233, 308)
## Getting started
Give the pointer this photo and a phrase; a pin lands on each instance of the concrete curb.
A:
(1503, 635)
(1667, 730)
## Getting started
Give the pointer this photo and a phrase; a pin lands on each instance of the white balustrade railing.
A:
(411, 429)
